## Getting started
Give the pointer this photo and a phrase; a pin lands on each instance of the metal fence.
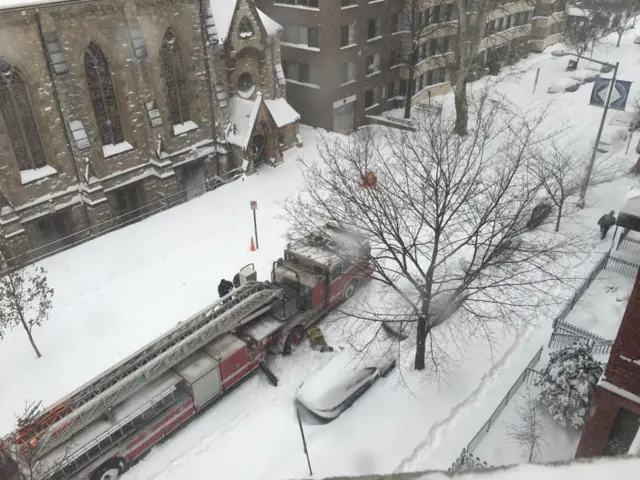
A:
(628, 243)
(597, 268)
(564, 340)
(11, 264)
(527, 376)
(623, 266)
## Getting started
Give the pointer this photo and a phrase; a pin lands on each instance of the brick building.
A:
(341, 58)
(115, 109)
(614, 418)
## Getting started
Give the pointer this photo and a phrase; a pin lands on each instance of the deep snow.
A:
(120, 291)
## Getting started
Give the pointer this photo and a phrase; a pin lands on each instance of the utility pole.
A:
(587, 177)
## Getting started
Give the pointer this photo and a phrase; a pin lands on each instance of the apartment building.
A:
(341, 57)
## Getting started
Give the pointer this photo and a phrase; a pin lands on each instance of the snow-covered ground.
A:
(601, 307)
(120, 291)
(499, 448)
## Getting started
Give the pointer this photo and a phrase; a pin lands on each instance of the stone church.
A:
(115, 109)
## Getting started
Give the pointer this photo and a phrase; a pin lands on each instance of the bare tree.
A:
(25, 300)
(529, 430)
(446, 219)
(422, 27)
(624, 16)
(26, 453)
(584, 29)
(559, 170)
(455, 27)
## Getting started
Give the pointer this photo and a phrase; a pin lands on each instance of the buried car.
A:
(334, 388)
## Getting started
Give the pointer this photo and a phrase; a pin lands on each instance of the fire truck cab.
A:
(321, 270)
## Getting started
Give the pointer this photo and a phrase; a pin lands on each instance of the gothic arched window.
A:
(19, 119)
(175, 78)
(103, 95)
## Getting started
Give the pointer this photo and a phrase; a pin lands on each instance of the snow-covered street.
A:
(120, 291)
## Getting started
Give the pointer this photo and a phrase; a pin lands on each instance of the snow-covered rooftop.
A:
(282, 113)
(222, 12)
(242, 115)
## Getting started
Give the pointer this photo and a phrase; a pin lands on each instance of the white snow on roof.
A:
(242, 114)
(577, 12)
(270, 25)
(8, 4)
(222, 12)
(282, 113)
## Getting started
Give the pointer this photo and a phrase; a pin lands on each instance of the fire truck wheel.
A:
(295, 337)
(110, 470)
(350, 289)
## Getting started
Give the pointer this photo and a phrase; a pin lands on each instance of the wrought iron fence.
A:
(586, 283)
(528, 376)
(564, 340)
(628, 243)
(625, 267)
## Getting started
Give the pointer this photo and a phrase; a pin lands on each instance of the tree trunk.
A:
(619, 38)
(462, 107)
(33, 343)
(559, 217)
(421, 350)
(409, 94)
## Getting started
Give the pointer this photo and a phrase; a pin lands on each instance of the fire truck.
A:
(97, 431)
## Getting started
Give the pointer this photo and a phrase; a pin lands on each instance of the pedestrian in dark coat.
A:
(606, 221)
(224, 287)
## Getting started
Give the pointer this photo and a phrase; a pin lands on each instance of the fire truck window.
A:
(336, 271)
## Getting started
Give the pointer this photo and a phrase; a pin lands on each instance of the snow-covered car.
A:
(334, 388)
(559, 53)
(564, 85)
(637, 40)
(585, 75)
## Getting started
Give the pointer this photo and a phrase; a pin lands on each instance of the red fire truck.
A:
(97, 431)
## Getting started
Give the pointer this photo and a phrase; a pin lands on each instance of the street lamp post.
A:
(587, 177)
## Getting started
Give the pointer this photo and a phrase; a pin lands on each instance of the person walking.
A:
(606, 221)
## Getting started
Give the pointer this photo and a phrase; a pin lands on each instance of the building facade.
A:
(614, 418)
(341, 57)
(115, 109)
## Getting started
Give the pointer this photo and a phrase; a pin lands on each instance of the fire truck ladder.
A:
(94, 398)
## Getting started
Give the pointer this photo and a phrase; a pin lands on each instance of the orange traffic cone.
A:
(253, 245)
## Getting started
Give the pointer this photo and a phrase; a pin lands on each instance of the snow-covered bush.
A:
(567, 384)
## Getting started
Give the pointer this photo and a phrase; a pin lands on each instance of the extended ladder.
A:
(114, 385)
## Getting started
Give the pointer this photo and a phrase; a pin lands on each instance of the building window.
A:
(301, 3)
(623, 432)
(297, 71)
(374, 28)
(54, 231)
(245, 83)
(348, 3)
(309, 36)
(393, 23)
(103, 95)
(446, 14)
(391, 90)
(19, 119)
(245, 29)
(437, 75)
(175, 79)
(369, 98)
(348, 35)
(373, 63)
(348, 72)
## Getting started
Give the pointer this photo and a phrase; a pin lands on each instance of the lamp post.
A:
(587, 177)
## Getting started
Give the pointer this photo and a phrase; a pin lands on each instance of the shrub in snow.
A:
(567, 384)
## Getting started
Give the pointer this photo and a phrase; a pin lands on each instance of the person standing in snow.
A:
(224, 287)
(606, 221)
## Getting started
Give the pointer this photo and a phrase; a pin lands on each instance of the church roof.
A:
(242, 116)
(222, 12)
